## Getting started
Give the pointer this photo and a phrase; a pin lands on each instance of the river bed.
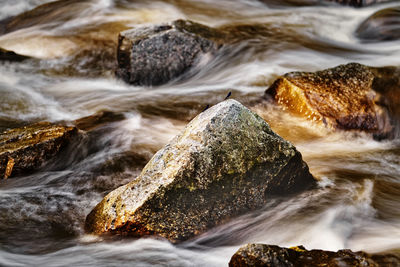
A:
(356, 205)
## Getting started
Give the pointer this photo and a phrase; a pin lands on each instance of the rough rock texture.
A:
(25, 149)
(157, 54)
(345, 97)
(226, 162)
(268, 255)
(11, 56)
(383, 25)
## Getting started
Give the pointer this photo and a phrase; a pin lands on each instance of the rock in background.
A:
(226, 162)
(383, 25)
(157, 54)
(349, 97)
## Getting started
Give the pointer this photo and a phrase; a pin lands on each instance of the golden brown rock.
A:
(28, 148)
(343, 97)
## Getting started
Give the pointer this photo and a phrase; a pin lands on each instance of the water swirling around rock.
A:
(70, 75)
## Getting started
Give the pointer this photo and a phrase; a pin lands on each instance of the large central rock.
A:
(226, 162)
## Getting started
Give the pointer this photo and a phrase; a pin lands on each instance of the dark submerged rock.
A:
(96, 120)
(359, 3)
(268, 255)
(383, 25)
(226, 162)
(354, 3)
(28, 148)
(157, 54)
(349, 97)
(7, 55)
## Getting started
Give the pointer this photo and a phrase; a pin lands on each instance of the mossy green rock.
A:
(268, 255)
(28, 148)
(226, 162)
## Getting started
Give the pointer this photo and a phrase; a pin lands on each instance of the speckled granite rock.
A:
(226, 162)
(28, 148)
(268, 255)
(349, 97)
(157, 54)
(383, 25)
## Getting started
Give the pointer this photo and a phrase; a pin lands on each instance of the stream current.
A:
(356, 205)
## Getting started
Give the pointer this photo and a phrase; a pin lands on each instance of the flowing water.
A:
(71, 76)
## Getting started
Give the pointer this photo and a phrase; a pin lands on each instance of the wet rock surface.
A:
(383, 25)
(226, 162)
(350, 97)
(157, 54)
(269, 255)
(28, 148)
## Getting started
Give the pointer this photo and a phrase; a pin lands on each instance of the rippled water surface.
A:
(71, 76)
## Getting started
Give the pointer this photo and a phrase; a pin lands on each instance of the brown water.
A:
(73, 42)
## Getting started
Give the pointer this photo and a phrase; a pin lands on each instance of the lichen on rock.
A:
(343, 97)
(226, 162)
(28, 148)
